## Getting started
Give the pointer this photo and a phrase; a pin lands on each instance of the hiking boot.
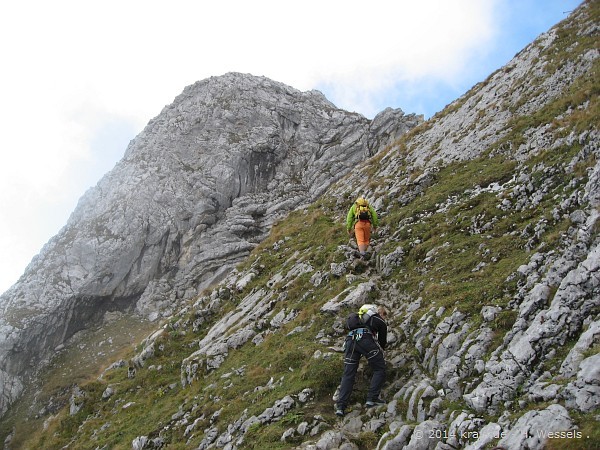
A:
(339, 412)
(376, 402)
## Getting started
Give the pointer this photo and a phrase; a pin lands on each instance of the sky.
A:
(80, 79)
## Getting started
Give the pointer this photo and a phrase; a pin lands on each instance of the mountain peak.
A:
(196, 191)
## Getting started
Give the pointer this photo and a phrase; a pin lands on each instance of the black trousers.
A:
(370, 349)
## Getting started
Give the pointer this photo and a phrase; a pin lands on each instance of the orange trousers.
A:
(362, 232)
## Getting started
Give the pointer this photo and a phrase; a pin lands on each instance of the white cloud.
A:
(73, 68)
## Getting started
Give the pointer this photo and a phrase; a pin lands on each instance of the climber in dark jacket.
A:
(369, 339)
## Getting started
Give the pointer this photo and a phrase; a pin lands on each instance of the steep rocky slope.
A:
(195, 192)
(488, 258)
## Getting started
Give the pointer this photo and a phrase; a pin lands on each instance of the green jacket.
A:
(351, 218)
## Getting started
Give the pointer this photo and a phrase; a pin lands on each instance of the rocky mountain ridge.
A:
(197, 189)
(487, 257)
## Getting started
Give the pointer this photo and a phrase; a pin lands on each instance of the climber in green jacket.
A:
(362, 220)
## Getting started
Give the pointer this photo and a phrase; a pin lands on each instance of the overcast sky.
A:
(80, 79)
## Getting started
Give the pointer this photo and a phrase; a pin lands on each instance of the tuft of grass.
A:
(366, 440)
(585, 435)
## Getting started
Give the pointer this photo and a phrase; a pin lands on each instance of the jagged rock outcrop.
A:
(194, 193)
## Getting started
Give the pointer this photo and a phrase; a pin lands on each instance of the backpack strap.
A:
(358, 333)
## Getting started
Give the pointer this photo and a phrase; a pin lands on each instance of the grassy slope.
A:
(313, 236)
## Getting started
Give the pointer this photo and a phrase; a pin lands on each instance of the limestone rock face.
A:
(197, 189)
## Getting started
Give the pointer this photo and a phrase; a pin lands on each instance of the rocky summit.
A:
(220, 239)
(195, 192)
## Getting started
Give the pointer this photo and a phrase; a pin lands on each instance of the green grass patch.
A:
(586, 435)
